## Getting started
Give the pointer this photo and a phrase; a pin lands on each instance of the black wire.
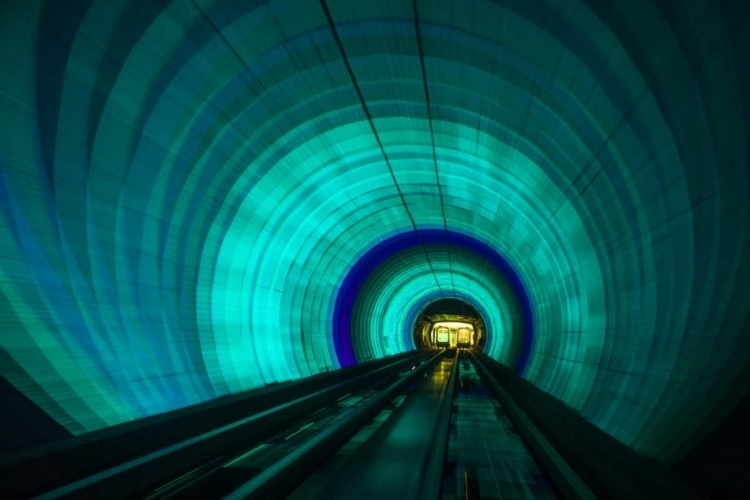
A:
(432, 135)
(334, 32)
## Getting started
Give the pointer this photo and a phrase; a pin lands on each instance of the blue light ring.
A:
(370, 260)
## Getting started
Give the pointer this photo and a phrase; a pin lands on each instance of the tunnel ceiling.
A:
(187, 185)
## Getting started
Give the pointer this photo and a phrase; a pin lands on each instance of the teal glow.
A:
(185, 186)
(383, 323)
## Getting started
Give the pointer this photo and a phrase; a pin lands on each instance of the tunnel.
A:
(208, 206)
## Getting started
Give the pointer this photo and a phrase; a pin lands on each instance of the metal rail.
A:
(149, 470)
(561, 475)
(304, 459)
(433, 468)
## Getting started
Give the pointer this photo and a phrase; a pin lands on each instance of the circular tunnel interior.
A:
(203, 198)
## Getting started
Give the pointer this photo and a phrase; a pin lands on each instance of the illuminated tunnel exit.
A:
(231, 232)
(450, 323)
(452, 332)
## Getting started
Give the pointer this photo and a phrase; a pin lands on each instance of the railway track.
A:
(433, 426)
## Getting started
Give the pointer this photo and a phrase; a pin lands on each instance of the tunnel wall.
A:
(186, 185)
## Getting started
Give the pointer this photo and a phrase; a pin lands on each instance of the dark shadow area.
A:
(718, 465)
(23, 423)
(451, 306)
